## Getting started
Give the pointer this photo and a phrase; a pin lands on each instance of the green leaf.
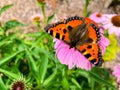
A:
(32, 64)
(8, 58)
(76, 83)
(50, 78)
(9, 74)
(1, 31)
(50, 18)
(106, 33)
(100, 80)
(12, 24)
(2, 85)
(4, 8)
(65, 83)
(43, 68)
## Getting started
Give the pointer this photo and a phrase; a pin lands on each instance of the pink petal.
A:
(116, 73)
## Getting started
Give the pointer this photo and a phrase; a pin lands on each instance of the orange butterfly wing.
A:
(92, 53)
(58, 30)
(93, 30)
(91, 49)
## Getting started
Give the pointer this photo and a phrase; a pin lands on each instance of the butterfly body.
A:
(81, 33)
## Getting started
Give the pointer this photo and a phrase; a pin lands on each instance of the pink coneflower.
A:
(109, 21)
(116, 73)
(112, 23)
(97, 17)
(73, 57)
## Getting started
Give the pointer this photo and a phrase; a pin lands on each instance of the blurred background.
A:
(30, 52)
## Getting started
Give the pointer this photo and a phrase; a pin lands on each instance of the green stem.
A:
(43, 13)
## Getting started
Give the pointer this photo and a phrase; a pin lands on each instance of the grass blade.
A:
(8, 58)
(76, 83)
(2, 85)
(100, 80)
(9, 74)
(32, 64)
(50, 78)
(43, 68)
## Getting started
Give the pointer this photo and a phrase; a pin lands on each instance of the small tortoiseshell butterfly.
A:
(81, 33)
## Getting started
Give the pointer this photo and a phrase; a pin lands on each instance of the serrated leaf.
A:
(4, 8)
(12, 24)
(50, 19)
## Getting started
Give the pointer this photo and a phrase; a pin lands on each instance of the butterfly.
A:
(81, 33)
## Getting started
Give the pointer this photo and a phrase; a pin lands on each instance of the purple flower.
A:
(116, 73)
(73, 57)
(108, 21)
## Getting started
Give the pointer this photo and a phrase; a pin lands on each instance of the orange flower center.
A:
(99, 15)
(37, 18)
(116, 20)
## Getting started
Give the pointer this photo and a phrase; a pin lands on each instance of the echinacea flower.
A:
(116, 73)
(73, 57)
(108, 21)
(112, 23)
(20, 84)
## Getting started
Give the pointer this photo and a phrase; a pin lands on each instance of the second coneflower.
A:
(108, 21)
